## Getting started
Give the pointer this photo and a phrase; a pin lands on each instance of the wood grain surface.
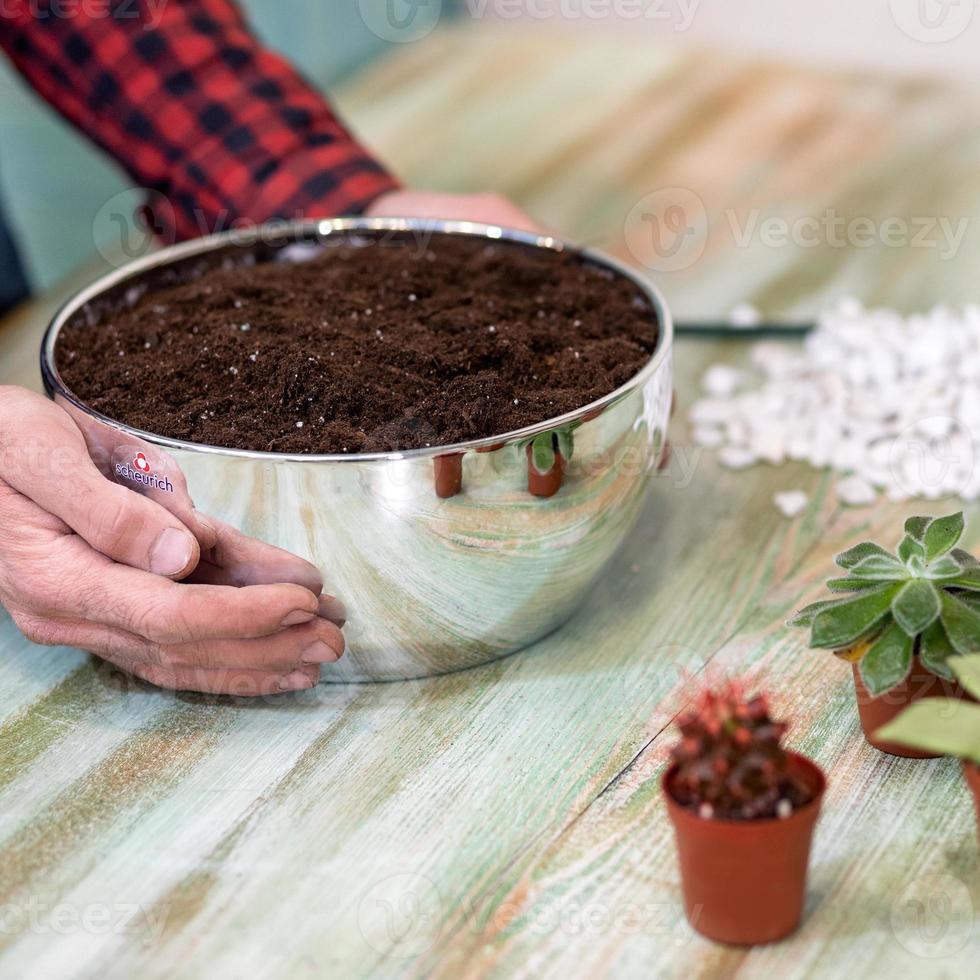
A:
(504, 821)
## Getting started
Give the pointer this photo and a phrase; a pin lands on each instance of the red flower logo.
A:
(141, 464)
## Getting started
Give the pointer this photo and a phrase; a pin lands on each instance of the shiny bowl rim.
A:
(322, 228)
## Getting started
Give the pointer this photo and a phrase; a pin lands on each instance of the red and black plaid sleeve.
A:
(185, 97)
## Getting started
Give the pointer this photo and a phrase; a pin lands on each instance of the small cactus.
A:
(547, 456)
(730, 763)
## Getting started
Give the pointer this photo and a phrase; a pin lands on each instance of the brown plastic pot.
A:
(544, 484)
(744, 881)
(875, 712)
(972, 773)
(448, 474)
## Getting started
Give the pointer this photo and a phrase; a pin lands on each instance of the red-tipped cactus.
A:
(730, 762)
(743, 810)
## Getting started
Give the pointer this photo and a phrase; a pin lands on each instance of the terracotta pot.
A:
(448, 474)
(972, 773)
(744, 880)
(545, 484)
(877, 712)
(492, 448)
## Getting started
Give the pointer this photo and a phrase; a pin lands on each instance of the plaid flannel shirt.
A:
(194, 107)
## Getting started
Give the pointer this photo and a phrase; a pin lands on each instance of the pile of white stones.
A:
(890, 402)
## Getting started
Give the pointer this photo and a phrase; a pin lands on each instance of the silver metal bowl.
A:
(435, 580)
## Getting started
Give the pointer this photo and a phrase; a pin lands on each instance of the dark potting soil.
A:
(764, 807)
(363, 348)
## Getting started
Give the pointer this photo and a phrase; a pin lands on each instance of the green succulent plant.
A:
(942, 725)
(547, 445)
(924, 601)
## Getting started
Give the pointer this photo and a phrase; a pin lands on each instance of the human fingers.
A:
(45, 459)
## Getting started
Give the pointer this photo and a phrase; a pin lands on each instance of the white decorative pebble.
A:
(769, 444)
(721, 381)
(889, 402)
(790, 503)
(856, 492)
(708, 437)
(745, 315)
(737, 457)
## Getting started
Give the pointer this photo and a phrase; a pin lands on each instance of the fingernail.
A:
(297, 617)
(298, 680)
(333, 609)
(319, 653)
(171, 552)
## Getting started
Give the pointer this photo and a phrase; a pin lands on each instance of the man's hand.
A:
(484, 209)
(89, 564)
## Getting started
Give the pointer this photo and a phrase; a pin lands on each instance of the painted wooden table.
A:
(504, 821)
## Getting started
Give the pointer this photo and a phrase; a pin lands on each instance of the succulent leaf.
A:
(962, 624)
(916, 527)
(967, 670)
(938, 725)
(942, 534)
(851, 557)
(909, 548)
(806, 615)
(972, 599)
(916, 607)
(965, 558)
(935, 650)
(880, 568)
(888, 662)
(849, 620)
(942, 568)
(566, 442)
(543, 453)
(853, 654)
(850, 584)
(968, 578)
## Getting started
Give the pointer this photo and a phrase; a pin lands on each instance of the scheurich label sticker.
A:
(131, 466)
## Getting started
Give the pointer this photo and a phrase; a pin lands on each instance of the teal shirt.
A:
(13, 285)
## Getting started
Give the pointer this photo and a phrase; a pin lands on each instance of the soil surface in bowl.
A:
(363, 348)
